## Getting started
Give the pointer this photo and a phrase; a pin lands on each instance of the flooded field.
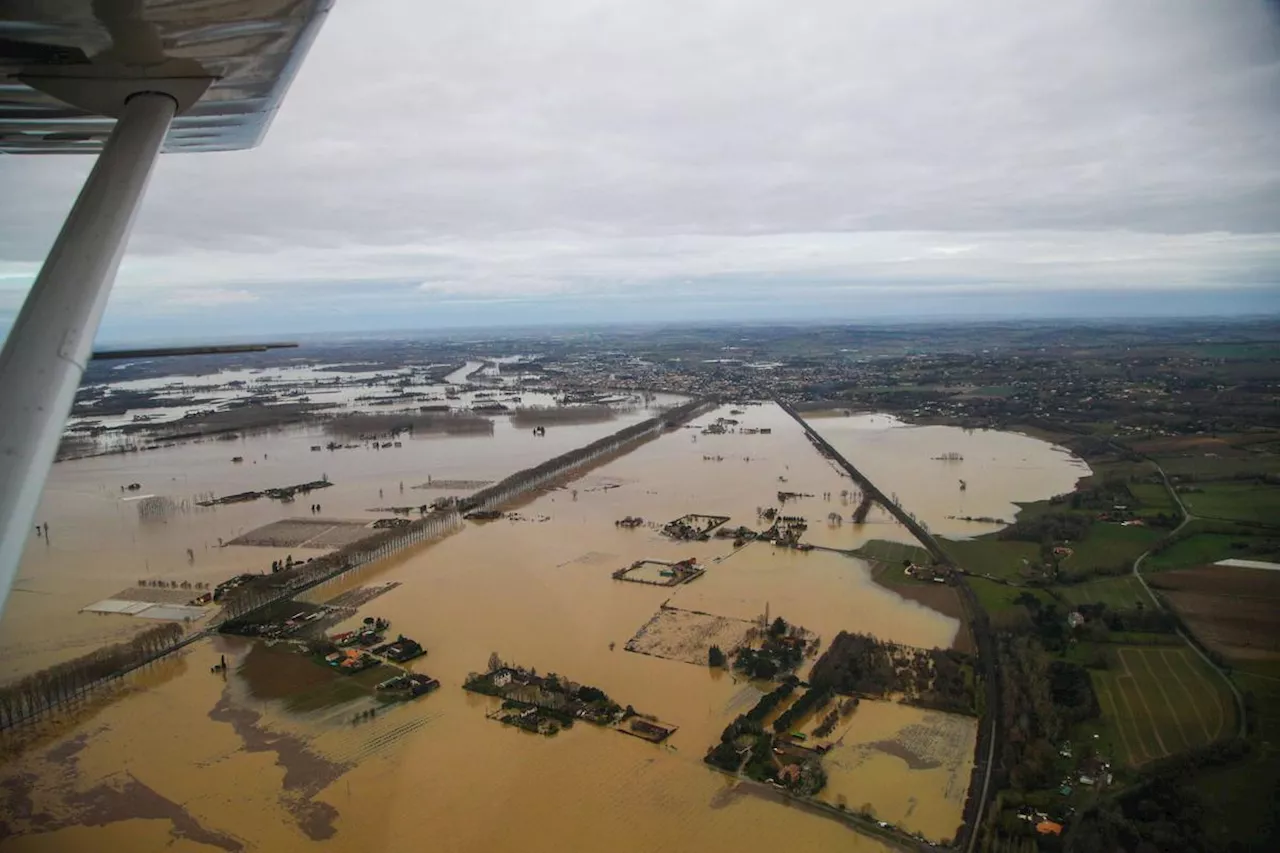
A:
(925, 757)
(266, 756)
(926, 465)
(345, 386)
(100, 543)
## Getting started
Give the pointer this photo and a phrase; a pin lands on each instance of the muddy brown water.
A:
(999, 469)
(99, 544)
(229, 749)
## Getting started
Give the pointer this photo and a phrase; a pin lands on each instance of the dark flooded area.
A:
(914, 760)
(126, 798)
(306, 774)
(120, 797)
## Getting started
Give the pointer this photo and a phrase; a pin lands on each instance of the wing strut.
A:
(49, 344)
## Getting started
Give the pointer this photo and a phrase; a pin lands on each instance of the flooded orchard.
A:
(277, 752)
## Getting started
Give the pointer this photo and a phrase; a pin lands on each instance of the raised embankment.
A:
(387, 543)
(442, 522)
(869, 488)
(621, 441)
(984, 752)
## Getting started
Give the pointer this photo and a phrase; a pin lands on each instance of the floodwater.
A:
(99, 543)
(328, 385)
(999, 469)
(924, 757)
(193, 760)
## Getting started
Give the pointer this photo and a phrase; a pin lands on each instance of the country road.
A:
(1187, 518)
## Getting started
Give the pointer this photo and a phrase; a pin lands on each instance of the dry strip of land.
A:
(459, 485)
(305, 533)
(688, 635)
(937, 596)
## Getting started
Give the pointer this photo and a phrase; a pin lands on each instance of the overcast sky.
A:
(497, 162)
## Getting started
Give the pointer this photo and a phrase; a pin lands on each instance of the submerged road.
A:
(984, 760)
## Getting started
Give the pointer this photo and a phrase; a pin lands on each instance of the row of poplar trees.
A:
(64, 683)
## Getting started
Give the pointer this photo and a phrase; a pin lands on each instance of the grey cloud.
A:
(543, 146)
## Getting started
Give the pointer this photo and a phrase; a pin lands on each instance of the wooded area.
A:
(863, 665)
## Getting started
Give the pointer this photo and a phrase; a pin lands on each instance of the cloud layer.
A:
(550, 151)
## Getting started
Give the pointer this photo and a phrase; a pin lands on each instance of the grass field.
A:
(1196, 550)
(1161, 700)
(1203, 548)
(1123, 468)
(894, 552)
(1203, 467)
(1109, 546)
(996, 597)
(1236, 501)
(1117, 593)
(1153, 498)
(1003, 558)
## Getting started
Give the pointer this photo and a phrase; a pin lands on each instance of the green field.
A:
(894, 552)
(1161, 700)
(1201, 467)
(1109, 546)
(1153, 497)
(1117, 593)
(1203, 548)
(1124, 469)
(1235, 501)
(1002, 558)
(997, 597)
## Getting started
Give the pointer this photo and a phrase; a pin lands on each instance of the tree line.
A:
(813, 700)
(1032, 723)
(1049, 527)
(63, 683)
(725, 754)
